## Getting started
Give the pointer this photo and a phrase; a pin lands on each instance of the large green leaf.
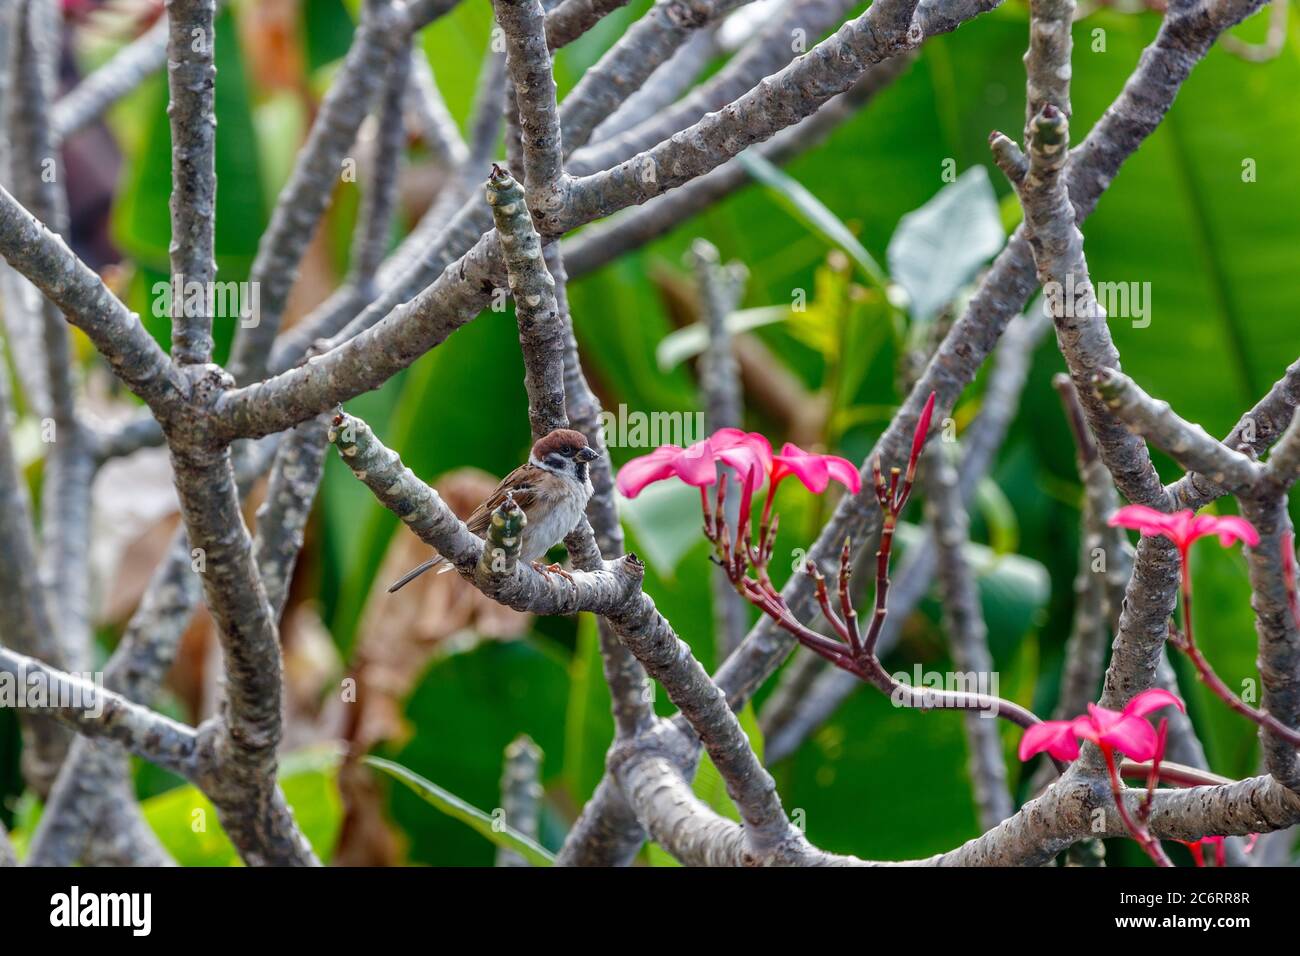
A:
(813, 213)
(186, 822)
(507, 689)
(938, 248)
(496, 832)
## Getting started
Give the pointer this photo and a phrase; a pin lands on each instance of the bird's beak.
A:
(587, 454)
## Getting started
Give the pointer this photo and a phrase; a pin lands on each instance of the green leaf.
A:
(465, 711)
(813, 213)
(938, 248)
(498, 833)
(186, 821)
(327, 30)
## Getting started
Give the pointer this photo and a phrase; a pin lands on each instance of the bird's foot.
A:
(549, 569)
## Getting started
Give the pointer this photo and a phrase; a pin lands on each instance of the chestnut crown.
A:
(564, 442)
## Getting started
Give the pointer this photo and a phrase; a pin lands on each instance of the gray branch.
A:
(967, 632)
(191, 80)
(1186, 443)
(541, 330)
(382, 40)
(720, 289)
(521, 791)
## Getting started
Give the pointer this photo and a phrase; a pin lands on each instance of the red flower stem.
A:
(770, 603)
(1149, 844)
(847, 609)
(766, 519)
(1214, 682)
(824, 600)
(925, 698)
(882, 585)
(1153, 778)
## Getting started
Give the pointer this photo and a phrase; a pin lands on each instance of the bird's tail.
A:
(414, 573)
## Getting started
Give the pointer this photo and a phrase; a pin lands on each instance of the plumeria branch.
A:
(720, 289)
(1188, 444)
(852, 649)
(191, 79)
(812, 704)
(521, 793)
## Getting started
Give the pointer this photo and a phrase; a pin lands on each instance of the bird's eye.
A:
(567, 451)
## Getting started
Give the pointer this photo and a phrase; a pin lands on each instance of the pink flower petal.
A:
(808, 468)
(1141, 518)
(1230, 528)
(1152, 700)
(1132, 735)
(696, 465)
(922, 430)
(814, 471)
(647, 469)
(1056, 737)
(845, 472)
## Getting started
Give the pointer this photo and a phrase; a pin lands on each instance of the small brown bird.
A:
(552, 488)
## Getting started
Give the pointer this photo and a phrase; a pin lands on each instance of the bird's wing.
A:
(521, 482)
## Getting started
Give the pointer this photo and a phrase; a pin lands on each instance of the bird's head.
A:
(564, 452)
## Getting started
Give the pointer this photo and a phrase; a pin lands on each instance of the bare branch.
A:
(128, 68)
(885, 30)
(520, 793)
(100, 713)
(46, 260)
(541, 330)
(191, 80)
(570, 19)
(1188, 444)
(381, 40)
(528, 61)
(967, 633)
(433, 121)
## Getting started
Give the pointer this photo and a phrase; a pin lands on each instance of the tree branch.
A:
(191, 80)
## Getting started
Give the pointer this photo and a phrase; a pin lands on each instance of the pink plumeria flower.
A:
(749, 453)
(1184, 527)
(693, 465)
(1126, 731)
(815, 471)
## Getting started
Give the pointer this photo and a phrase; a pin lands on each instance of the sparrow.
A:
(552, 488)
